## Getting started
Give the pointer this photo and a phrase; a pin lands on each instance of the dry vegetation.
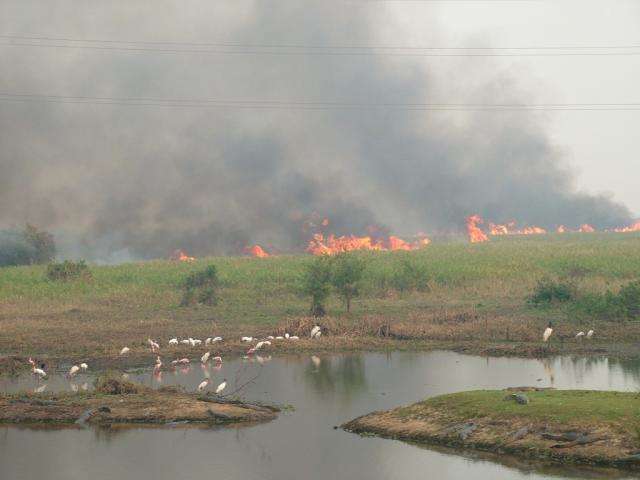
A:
(117, 401)
(568, 426)
(471, 297)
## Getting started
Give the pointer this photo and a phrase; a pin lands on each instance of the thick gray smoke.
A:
(144, 180)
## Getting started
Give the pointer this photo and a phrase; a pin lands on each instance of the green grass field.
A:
(475, 291)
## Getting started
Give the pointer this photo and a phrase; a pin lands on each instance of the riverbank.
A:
(570, 426)
(121, 402)
(473, 299)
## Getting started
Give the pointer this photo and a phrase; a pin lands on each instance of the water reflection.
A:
(325, 391)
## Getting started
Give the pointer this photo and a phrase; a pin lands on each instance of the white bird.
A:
(279, 337)
(205, 357)
(246, 339)
(270, 337)
(590, 334)
(185, 342)
(154, 346)
(286, 335)
(579, 334)
(173, 341)
(207, 341)
(182, 361)
(316, 331)
(261, 344)
(203, 384)
(84, 367)
(217, 359)
(196, 342)
(222, 386)
(40, 372)
(294, 337)
(547, 332)
(75, 369)
(216, 339)
(125, 350)
(158, 363)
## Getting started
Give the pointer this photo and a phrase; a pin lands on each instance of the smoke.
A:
(138, 182)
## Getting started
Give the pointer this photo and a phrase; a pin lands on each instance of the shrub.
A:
(346, 276)
(316, 283)
(410, 275)
(624, 305)
(549, 291)
(68, 270)
(111, 385)
(201, 287)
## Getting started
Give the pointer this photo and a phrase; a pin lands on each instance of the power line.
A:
(317, 53)
(310, 105)
(311, 46)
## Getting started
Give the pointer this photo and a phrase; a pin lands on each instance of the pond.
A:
(324, 392)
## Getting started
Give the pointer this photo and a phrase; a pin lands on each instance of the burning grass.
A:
(449, 292)
(562, 425)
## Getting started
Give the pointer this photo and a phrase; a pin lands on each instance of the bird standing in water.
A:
(547, 332)
(222, 386)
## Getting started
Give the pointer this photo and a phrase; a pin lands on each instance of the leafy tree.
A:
(42, 243)
(68, 270)
(317, 283)
(346, 276)
(201, 287)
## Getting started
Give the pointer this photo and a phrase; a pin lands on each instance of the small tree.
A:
(346, 277)
(201, 287)
(317, 284)
(42, 243)
(68, 270)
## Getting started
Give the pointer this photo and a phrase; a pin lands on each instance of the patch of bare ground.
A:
(121, 402)
(594, 428)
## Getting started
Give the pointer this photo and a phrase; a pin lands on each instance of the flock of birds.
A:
(579, 336)
(260, 344)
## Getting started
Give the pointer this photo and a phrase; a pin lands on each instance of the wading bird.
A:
(125, 350)
(154, 346)
(173, 341)
(217, 359)
(547, 332)
(286, 335)
(39, 372)
(203, 384)
(222, 386)
(84, 367)
(590, 334)
(316, 332)
(246, 339)
(158, 364)
(207, 341)
(205, 357)
(185, 342)
(279, 337)
(182, 361)
(216, 339)
(75, 369)
(294, 337)
(579, 335)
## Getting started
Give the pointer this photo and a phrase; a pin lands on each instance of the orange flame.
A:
(475, 234)
(586, 228)
(256, 251)
(332, 245)
(561, 229)
(509, 229)
(181, 256)
(631, 228)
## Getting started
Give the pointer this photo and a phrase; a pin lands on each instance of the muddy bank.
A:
(127, 403)
(579, 427)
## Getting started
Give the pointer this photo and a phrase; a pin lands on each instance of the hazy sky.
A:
(604, 147)
(148, 179)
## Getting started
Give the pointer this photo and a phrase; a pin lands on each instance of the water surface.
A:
(325, 391)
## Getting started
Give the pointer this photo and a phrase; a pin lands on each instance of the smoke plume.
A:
(143, 180)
